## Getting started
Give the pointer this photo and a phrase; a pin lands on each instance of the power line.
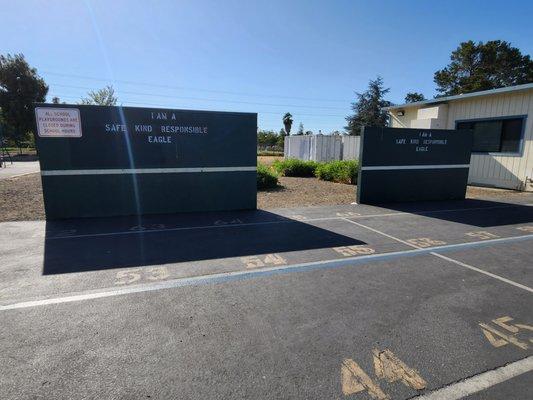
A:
(204, 99)
(167, 105)
(189, 88)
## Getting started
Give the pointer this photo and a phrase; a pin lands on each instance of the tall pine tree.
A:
(368, 108)
(483, 66)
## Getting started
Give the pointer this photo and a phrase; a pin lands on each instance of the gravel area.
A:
(304, 192)
(475, 192)
(21, 197)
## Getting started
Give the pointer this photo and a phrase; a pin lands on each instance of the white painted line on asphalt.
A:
(287, 220)
(501, 278)
(382, 233)
(480, 382)
(249, 274)
(182, 228)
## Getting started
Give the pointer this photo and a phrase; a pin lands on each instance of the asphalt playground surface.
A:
(343, 302)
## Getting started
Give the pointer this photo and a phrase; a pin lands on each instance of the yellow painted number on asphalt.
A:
(509, 335)
(129, 276)
(483, 235)
(425, 242)
(528, 228)
(387, 367)
(355, 380)
(156, 273)
(357, 250)
(126, 277)
(263, 261)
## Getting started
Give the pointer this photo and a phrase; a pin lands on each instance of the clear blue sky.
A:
(306, 57)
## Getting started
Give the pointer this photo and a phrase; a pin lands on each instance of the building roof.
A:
(438, 100)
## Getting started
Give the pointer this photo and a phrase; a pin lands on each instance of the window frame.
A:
(520, 151)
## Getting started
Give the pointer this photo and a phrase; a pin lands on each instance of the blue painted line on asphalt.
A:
(265, 272)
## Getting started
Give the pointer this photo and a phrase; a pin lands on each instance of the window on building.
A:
(495, 135)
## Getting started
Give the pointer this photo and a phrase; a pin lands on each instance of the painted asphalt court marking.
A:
(382, 233)
(501, 278)
(265, 272)
(480, 382)
(183, 228)
(285, 221)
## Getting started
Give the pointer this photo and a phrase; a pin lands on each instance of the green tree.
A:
(57, 100)
(413, 97)
(287, 122)
(300, 129)
(269, 139)
(483, 66)
(20, 88)
(102, 97)
(281, 139)
(368, 108)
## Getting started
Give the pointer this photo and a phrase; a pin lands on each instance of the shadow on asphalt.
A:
(105, 243)
(483, 213)
(89, 244)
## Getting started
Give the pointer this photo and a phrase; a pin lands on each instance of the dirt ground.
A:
(21, 198)
(268, 160)
(304, 192)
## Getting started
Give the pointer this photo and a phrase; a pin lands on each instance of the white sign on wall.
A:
(58, 122)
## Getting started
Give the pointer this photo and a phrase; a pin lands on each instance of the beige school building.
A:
(502, 121)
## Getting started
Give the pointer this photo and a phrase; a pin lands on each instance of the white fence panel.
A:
(326, 148)
(298, 147)
(350, 147)
(322, 148)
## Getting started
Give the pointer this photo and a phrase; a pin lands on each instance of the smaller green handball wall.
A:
(398, 165)
(107, 161)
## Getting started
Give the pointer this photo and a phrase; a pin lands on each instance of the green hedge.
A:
(295, 167)
(266, 178)
(344, 171)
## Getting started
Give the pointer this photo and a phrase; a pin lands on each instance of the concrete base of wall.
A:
(501, 185)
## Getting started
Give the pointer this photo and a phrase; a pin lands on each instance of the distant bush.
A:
(266, 178)
(295, 167)
(344, 171)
